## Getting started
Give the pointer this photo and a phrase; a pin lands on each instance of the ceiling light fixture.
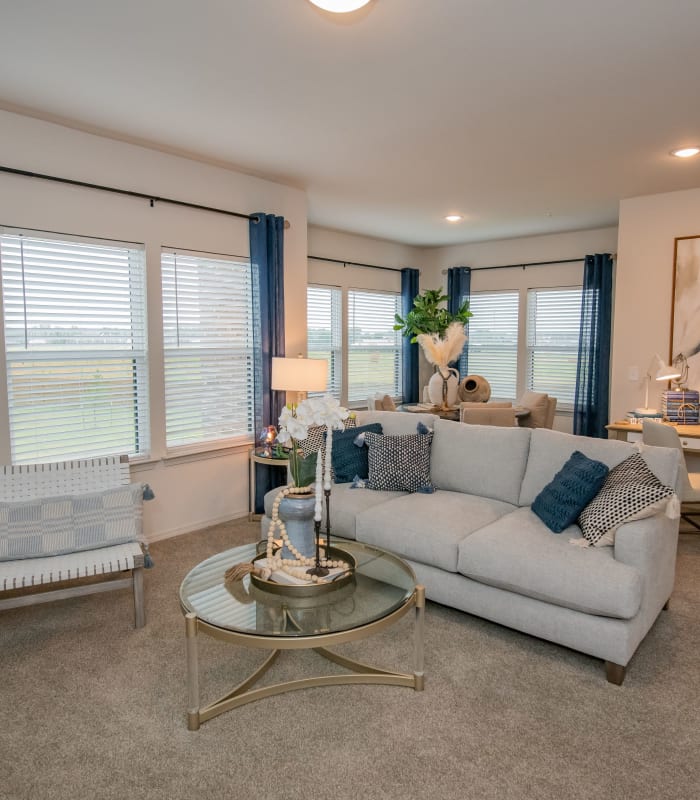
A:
(454, 217)
(685, 152)
(340, 6)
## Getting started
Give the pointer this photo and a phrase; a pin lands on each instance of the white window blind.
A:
(493, 341)
(208, 348)
(553, 330)
(75, 344)
(324, 323)
(374, 348)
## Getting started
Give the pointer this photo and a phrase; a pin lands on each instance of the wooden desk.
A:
(632, 432)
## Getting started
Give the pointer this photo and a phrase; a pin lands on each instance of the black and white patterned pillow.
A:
(316, 439)
(631, 491)
(399, 463)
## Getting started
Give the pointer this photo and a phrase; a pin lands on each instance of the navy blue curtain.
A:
(267, 266)
(593, 372)
(409, 352)
(459, 282)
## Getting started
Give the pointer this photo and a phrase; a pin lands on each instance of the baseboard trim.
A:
(194, 526)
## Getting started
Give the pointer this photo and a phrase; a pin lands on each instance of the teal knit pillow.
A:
(561, 501)
(348, 458)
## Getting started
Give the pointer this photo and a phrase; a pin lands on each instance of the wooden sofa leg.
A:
(667, 604)
(139, 607)
(615, 673)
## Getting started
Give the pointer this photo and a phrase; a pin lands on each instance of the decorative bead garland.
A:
(292, 566)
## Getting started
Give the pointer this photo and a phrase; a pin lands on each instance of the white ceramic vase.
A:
(442, 387)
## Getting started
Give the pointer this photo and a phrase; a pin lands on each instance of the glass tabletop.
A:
(382, 583)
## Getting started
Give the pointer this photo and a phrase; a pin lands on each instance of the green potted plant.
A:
(427, 315)
(441, 336)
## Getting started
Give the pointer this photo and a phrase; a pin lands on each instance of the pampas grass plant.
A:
(442, 350)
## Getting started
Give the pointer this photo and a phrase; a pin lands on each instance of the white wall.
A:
(193, 491)
(552, 247)
(326, 243)
(643, 297)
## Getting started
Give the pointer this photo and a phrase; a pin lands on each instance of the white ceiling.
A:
(526, 117)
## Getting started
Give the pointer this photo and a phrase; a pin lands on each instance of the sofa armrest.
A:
(650, 546)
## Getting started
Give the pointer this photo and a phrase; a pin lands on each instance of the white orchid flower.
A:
(295, 421)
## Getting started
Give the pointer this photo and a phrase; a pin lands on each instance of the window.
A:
(553, 329)
(324, 312)
(208, 348)
(374, 347)
(75, 346)
(493, 341)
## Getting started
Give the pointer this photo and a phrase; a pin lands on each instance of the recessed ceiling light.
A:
(685, 152)
(340, 6)
(454, 217)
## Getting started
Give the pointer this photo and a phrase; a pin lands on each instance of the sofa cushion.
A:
(549, 450)
(348, 455)
(518, 553)
(345, 504)
(481, 460)
(428, 528)
(399, 463)
(569, 492)
(396, 423)
(631, 491)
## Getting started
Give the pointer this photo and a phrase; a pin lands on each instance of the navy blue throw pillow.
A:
(561, 501)
(349, 459)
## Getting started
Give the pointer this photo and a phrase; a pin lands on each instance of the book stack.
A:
(681, 406)
(636, 417)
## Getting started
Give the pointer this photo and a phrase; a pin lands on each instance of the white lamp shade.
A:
(666, 372)
(299, 374)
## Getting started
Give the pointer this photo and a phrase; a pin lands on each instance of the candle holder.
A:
(327, 493)
(267, 439)
(318, 570)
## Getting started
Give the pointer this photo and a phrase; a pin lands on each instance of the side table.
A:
(268, 461)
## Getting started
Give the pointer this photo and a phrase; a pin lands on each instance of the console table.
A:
(632, 432)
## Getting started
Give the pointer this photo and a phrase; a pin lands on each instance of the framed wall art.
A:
(685, 320)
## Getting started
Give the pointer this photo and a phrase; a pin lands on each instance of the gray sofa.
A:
(476, 545)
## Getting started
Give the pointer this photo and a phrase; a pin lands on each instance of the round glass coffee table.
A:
(383, 590)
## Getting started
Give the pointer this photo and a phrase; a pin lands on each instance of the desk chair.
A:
(381, 403)
(542, 408)
(655, 433)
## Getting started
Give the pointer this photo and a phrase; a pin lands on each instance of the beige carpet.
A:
(92, 708)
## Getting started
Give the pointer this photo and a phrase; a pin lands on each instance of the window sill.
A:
(192, 454)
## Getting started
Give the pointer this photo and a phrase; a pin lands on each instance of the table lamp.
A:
(660, 372)
(300, 375)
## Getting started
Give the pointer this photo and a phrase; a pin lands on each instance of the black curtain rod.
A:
(354, 263)
(152, 198)
(532, 264)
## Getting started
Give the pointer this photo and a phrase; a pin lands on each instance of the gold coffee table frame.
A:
(360, 673)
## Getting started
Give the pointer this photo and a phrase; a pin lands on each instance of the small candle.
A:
(318, 508)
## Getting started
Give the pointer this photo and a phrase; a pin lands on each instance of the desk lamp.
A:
(661, 372)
